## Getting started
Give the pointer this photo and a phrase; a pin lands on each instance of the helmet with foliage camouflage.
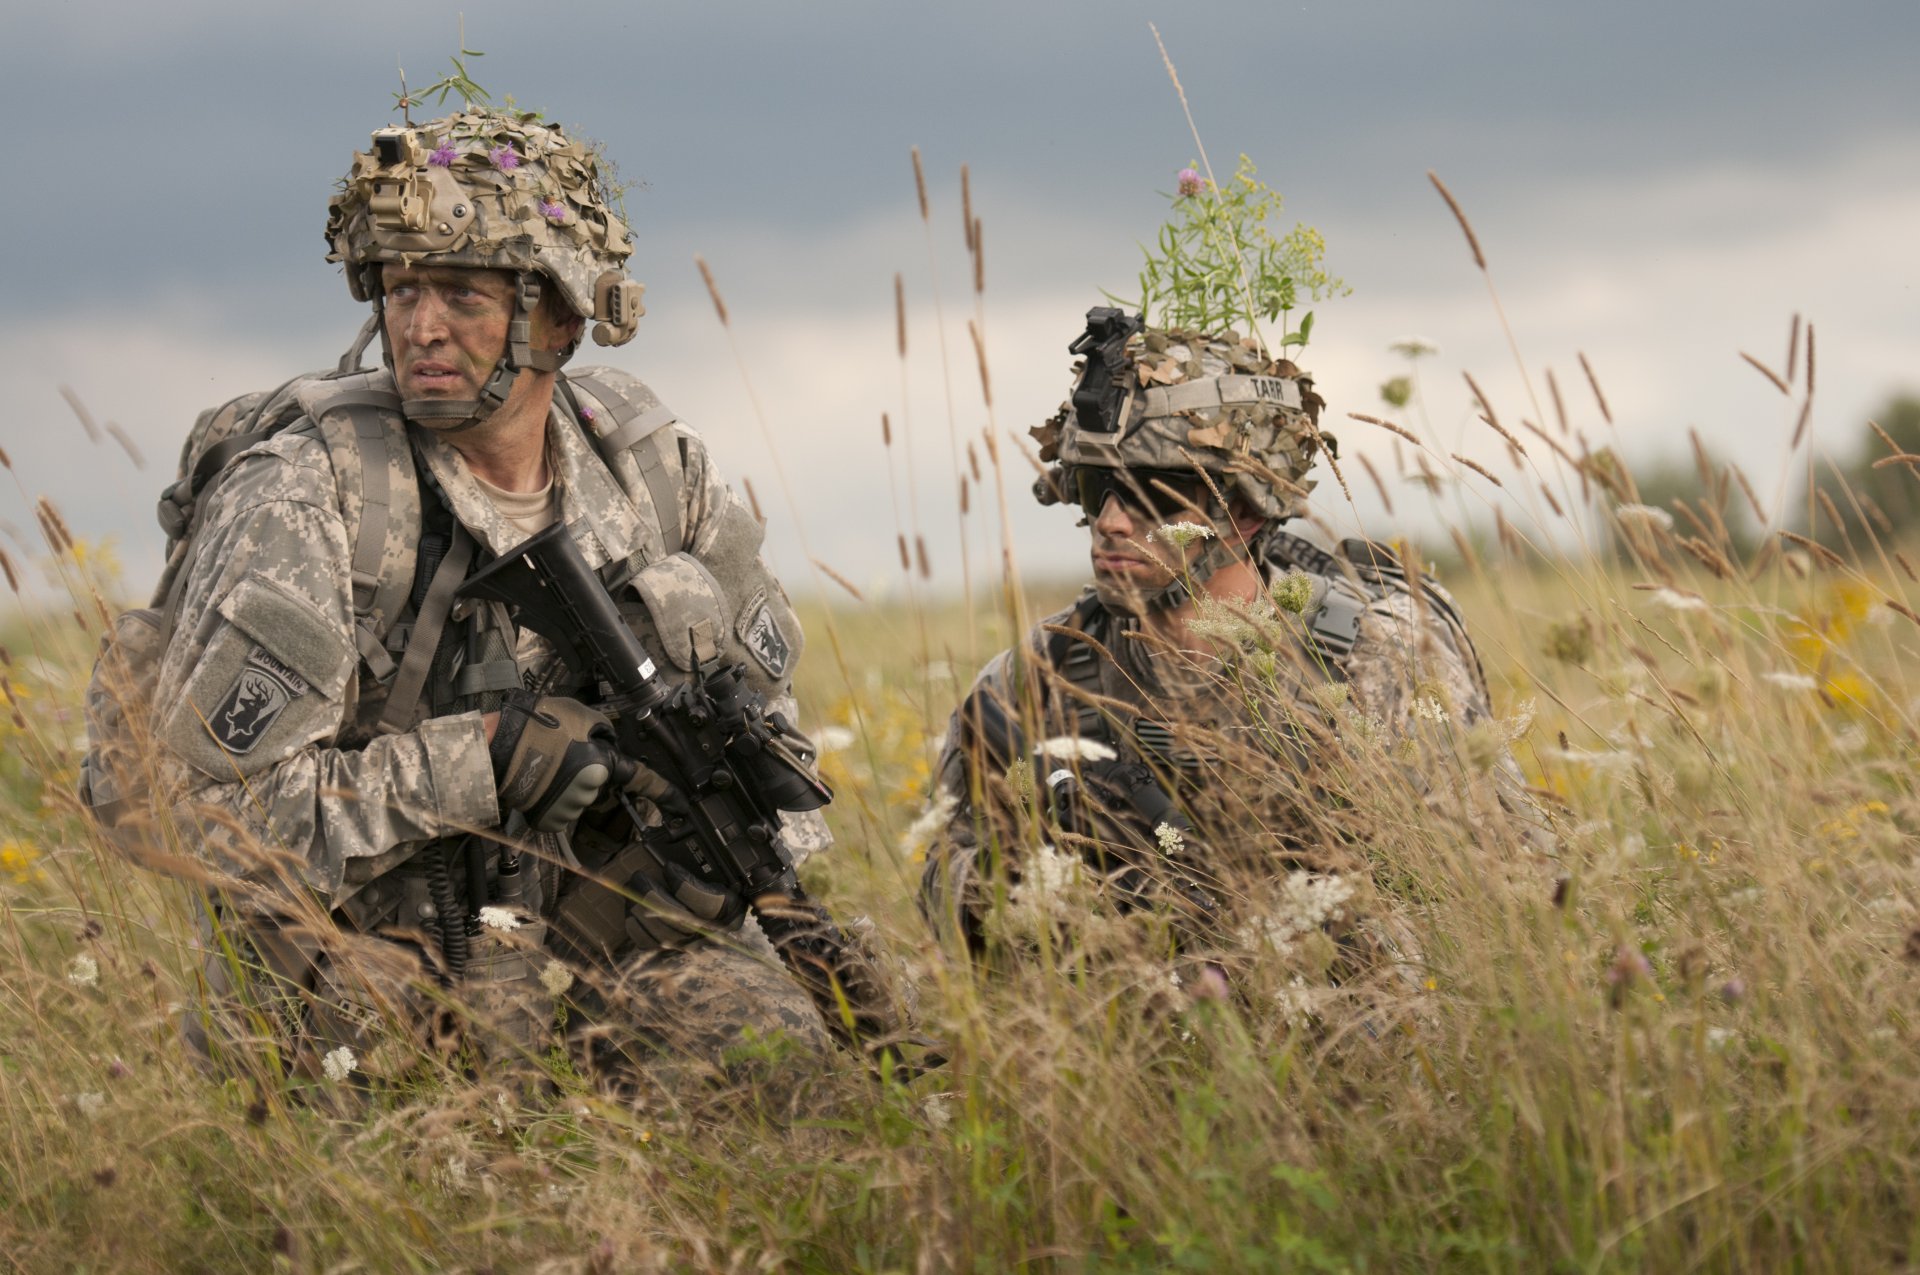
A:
(1180, 418)
(494, 190)
(1174, 402)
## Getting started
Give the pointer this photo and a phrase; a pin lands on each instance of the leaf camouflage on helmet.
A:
(1178, 401)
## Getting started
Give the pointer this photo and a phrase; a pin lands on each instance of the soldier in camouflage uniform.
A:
(338, 727)
(1172, 725)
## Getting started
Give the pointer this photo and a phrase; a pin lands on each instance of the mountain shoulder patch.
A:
(761, 634)
(254, 702)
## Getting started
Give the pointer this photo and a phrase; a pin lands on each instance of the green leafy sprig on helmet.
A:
(1219, 264)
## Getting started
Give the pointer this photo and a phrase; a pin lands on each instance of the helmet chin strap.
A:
(456, 416)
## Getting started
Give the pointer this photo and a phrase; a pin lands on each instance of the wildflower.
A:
(1678, 600)
(556, 212)
(1719, 1037)
(1733, 989)
(18, 861)
(84, 971)
(1309, 900)
(1292, 592)
(832, 739)
(499, 919)
(556, 978)
(90, 1104)
(504, 158)
(939, 1110)
(1651, 516)
(1396, 391)
(443, 155)
(1211, 985)
(1187, 182)
(1792, 681)
(1630, 965)
(1180, 534)
(339, 1064)
(920, 833)
(1171, 842)
(1069, 747)
(1414, 347)
(1428, 708)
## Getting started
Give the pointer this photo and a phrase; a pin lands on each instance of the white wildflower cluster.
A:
(1171, 842)
(1293, 592)
(833, 739)
(499, 919)
(1790, 681)
(339, 1064)
(1678, 599)
(1517, 726)
(1428, 708)
(84, 971)
(921, 832)
(1072, 747)
(1605, 759)
(1299, 1004)
(939, 1109)
(1180, 534)
(1649, 516)
(1414, 347)
(1046, 874)
(1308, 900)
(556, 978)
(90, 1104)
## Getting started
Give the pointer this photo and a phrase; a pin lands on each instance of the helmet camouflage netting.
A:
(494, 190)
(1181, 401)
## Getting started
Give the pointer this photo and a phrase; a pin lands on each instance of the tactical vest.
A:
(406, 559)
(1346, 584)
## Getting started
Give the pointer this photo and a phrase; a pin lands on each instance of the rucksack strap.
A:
(378, 591)
(634, 423)
(410, 681)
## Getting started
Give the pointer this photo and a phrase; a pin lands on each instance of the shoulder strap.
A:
(1078, 663)
(380, 498)
(635, 423)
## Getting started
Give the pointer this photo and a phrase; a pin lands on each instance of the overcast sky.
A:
(1658, 185)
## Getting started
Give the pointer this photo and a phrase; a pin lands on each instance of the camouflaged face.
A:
(490, 190)
(1193, 401)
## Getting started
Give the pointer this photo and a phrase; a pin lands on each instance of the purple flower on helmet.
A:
(586, 413)
(553, 210)
(442, 156)
(1189, 182)
(504, 158)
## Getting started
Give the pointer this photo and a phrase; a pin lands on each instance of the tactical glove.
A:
(684, 908)
(552, 758)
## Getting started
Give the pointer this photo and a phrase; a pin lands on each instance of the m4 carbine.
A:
(732, 768)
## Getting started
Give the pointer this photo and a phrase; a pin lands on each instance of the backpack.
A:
(380, 501)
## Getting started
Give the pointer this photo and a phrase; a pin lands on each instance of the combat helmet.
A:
(496, 190)
(1162, 407)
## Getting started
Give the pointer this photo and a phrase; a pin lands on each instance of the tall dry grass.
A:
(1683, 1043)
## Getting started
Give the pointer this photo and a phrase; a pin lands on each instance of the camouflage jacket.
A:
(269, 713)
(1371, 657)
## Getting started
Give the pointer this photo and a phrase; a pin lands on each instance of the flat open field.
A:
(1687, 1044)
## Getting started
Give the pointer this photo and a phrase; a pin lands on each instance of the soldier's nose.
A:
(1113, 519)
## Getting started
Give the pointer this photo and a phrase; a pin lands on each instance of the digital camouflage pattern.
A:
(269, 712)
(1189, 402)
(1348, 667)
(491, 189)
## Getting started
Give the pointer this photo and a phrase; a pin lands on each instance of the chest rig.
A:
(1347, 583)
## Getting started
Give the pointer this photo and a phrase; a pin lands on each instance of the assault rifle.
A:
(732, 767)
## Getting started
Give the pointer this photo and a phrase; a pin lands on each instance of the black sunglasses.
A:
(1156, 492)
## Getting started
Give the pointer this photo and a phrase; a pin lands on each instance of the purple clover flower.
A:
(1188, 182)
(442, 156)
(504, 158)
(586, 413)
(553, 210)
